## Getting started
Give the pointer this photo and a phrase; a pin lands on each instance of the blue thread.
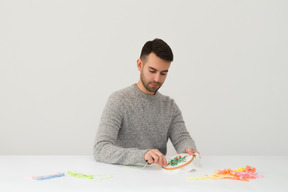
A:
(49, 176)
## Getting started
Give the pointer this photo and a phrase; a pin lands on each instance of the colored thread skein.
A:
(80, 175)
(48, 176)
(241, 174)
(97, 178)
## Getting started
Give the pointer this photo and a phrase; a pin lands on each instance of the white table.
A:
(16, 170)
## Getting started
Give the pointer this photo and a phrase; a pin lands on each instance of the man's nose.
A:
(157, 77)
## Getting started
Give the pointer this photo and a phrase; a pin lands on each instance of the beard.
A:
(147, 83)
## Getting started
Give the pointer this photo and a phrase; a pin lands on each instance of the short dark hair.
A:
(159, 47)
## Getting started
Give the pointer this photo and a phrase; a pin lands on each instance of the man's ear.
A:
(140, 64)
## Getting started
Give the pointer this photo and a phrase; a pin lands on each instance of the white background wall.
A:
(60, 60)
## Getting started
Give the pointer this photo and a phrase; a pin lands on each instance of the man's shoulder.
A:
(169, 102)
(122, 93)
(165, 98)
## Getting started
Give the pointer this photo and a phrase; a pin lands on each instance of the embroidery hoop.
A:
(181, 164)
(191, 162)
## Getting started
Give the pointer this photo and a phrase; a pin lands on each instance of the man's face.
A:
(153, 72)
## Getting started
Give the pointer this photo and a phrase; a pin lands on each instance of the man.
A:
(138, 121)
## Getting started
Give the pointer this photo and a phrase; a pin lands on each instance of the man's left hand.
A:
(191, 151)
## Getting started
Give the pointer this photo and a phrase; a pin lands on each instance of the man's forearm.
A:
(109, 153)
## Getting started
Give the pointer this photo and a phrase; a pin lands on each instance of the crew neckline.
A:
(142, 94)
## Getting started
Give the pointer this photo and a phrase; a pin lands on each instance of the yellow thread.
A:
(239, 169)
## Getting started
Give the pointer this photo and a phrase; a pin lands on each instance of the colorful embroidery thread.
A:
(80, 175)
(97, 178)
(241, 174)
(48, 176)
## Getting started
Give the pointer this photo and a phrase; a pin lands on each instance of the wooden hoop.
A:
(181, 165)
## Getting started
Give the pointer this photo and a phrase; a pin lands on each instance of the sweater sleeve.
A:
(178, 133)
(105, 147)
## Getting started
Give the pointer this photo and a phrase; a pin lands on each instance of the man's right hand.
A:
(155, 156)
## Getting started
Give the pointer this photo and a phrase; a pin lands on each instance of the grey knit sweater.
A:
(134, 122)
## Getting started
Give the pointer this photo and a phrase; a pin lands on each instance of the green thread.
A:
(97, 178)
(80, 175)
(174, 162)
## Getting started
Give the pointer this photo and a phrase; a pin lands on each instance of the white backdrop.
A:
(60, 60)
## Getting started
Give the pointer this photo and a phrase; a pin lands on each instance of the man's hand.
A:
(191, 151)
(155, 156)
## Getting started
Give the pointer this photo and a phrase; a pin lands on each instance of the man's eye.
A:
(152, 71)
(163, 74)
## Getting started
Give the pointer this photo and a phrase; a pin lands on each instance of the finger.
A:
(191, 151)
(195, 151)
(151, 156)
(158, 155)
(155, 157)
(148, 158)
(162, 160)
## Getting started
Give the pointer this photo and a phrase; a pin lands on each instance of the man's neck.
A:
(143, 89)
